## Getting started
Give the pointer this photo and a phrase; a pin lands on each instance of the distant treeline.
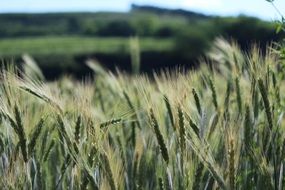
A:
(192, 32)
(141, 20)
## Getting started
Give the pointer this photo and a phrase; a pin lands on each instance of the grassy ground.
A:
(77, 45)
(219, 127)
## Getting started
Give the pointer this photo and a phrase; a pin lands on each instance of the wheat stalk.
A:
(214, 94)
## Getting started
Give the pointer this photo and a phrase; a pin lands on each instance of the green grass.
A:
(218, 127)
(77, 45)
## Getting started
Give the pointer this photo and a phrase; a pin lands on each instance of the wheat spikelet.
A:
(182, 130)
(213, 123)
(130, 104)
(255, 98)
(276, 88)
(194, 127)
(35, 136)
(169, 110)
(214, 94)
(265, 99)
(44, 141)
(247, 128)
(77, 129)
(21, 133)
(110, 122)
(91, 156)
(228, 94)
(159, 137)
(50, 147)
(238, 94)
(197, 101)
(62, 129)
(37, 89)
(31, 68)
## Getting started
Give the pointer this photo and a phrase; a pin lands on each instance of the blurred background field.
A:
(75, 45)
(62, 42)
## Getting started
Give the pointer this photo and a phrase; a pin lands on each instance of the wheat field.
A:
(218, 127)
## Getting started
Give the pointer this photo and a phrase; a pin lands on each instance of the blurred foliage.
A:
(280, 47)
(248, 30)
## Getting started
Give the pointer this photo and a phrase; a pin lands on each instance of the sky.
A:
(258, 8)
